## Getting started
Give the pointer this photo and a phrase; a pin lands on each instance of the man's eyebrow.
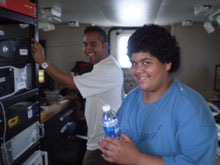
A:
(89, 42)
(147, 58)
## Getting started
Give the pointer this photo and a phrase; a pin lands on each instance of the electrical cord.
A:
(4, 132)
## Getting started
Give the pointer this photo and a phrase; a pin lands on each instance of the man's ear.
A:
(168, 66)
(105, 45)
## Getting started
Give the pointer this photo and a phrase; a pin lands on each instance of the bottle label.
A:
(111, 128)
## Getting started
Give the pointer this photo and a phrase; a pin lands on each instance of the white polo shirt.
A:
(103, 85)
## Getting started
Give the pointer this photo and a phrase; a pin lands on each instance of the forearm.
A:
(72, 97)
(61, 77)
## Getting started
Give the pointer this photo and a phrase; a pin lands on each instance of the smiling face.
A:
(94, 49)
(151, 75)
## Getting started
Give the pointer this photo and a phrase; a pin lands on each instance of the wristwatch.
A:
(44, 65)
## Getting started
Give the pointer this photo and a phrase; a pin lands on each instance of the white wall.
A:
(200, 52)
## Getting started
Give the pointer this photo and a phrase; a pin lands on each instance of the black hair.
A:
(158, 42)
(102, 33)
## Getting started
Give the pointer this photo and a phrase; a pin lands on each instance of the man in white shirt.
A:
(103, 85)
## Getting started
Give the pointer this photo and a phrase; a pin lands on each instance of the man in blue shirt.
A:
(162, 120)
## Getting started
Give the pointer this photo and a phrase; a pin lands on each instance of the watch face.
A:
(44, 65)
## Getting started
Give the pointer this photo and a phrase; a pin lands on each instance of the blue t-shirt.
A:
(179, 127)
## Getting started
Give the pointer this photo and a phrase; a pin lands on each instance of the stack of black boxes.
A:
(20, 128)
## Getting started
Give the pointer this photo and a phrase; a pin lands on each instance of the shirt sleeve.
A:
(196, 136)
(97, 81)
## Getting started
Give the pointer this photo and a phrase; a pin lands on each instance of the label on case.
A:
(2, 79)
(21, 85)
(23, 52)
(30, 113)
(14, 79)
(13, 121)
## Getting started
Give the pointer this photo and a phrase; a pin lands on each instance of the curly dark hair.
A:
(158, 42)
(102, 33)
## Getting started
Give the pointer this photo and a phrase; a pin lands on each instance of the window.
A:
(118, 44)
(122, 51)
(118, 39)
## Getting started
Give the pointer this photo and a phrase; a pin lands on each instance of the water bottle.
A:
(110, 122)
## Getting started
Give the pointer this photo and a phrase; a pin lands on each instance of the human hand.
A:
(59, 97)
(37, 52)
(119, 151)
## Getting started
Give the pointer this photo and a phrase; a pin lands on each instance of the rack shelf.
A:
(20, 97)
(12, 12)
(11, 17)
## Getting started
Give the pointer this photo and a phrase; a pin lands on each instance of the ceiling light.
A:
(57, 19)
(187, 23)
(46, 26)
(73, 23)
(41, 26)
(52, 11)
(132, 12)
(203, 9)
(51, 14)
(208, 27)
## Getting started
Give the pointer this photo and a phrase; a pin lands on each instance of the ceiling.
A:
(128, 12)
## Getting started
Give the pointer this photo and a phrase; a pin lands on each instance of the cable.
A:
(4, 133)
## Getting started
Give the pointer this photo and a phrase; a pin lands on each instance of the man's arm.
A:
(61, 77)
(65, 79)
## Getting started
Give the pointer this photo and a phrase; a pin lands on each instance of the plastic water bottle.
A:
(110, 122)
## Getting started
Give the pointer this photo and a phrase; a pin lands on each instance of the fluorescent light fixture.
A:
(132, 11)
(46, 26)
(51, 14)
(56, 12)
(49, 11)
(187, 23)
(41, 26)
(208, 27)
(203, 9)
(56, 19)
(73, 23)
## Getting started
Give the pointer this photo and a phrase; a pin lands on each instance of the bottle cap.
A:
(106, 107)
